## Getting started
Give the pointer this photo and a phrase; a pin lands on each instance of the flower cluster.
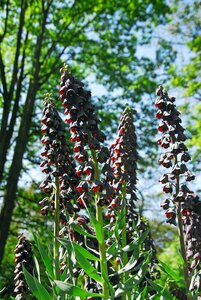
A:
(182, 201)
(23, 257)
(123, 161)
(90, 155)
(57, 162)
(148, 245)
(80, 115)
(87, 138)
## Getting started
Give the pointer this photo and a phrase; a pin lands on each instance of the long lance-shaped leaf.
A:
(165, 268)
(136, 279)
(81, 231)
(79, 248)
(130, 265)
(37, 268)
(161, 290)
(75, 291)
(87, 267)
(83, 261)
(37, 289)
(96, 225)
(45, 258)
(136, 243)
(143, 294)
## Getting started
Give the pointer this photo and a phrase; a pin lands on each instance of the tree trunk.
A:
(21, 142)
(5, 134)
(16, 166)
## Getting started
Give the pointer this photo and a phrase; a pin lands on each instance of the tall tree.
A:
(185, 29)
(36, 37)
(188, 75)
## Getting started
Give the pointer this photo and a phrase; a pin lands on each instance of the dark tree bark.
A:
(16, 166)
(23, 133)
(20, 147)
(6, 131)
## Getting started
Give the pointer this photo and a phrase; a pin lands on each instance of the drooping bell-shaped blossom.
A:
(23, 258)
(181, 199)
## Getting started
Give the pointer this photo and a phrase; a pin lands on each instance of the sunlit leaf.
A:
(36, 287)
(75, 291)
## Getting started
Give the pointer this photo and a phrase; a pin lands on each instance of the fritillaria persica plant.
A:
(182, 207)
(101, 248)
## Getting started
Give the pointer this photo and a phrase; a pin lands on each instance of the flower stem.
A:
(182, 240)
(102, 249)
(124, 238)
(183, 250)
(56, 230)
(103, 259)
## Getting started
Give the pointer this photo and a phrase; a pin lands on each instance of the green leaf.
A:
(143, 294)
(75, 291)
(112, 249)
(81, 231)
(161, 290)
(98, 229)
(37, 289)
(86, 266)
(31, 283)
(130, 265)
(122, 217)
(165, 268)
(136, 243)
(70, 262)
(45, 258)
(85, 252)
(42, 290)
(127, 286)
(97, 226)
(81, 257)
(79, 248)
(37, 268)
(120, 221)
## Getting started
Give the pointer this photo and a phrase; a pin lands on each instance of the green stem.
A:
(183, 249)
(182, 240)
(102, 249)
(124, 239)
(56, 230)
(103, 258)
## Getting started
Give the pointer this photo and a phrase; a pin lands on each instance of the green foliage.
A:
(77, 248)
(170, 260)
(100, 38)
(47, 260)
(75, 291)
(162, 291)
(185, 27)
(84, 258)
(7, 276)
(26, 218)
(36, 287)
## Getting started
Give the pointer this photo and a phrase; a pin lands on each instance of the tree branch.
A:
(3, 78)
(18, 93)
(55, 64)
(6, 22)
(18, 47)
(65, 28)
